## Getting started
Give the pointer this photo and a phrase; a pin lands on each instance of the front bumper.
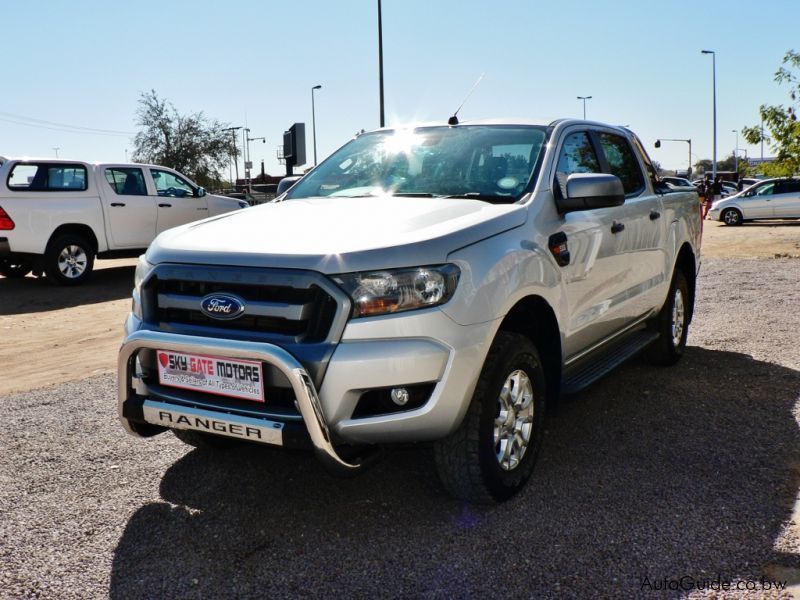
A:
(227, 424)
(424, 347)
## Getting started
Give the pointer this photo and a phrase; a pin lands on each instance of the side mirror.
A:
(587, 191)
(285, 183)
(200, 192)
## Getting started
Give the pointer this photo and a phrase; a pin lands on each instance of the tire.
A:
(671, 324)
(469, 460)
(204, 441)
(731, 216)
(15, 269)
(68, 260)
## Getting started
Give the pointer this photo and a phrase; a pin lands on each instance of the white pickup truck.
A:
(439, 283)
(56, 216)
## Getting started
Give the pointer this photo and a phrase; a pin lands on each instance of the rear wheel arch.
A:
(79, 229)
(687, 263)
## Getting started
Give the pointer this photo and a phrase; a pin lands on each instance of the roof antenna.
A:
(454, 119)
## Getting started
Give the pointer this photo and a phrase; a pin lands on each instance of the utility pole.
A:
(233, 131)
(380, 61)
(57, 148)
(762, 140)
(736, 151)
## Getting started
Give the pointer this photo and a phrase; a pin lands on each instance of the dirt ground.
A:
(84, 324)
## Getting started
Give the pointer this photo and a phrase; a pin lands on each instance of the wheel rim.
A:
(678, 318)
(513, 425)
(731, 217)
(72, 261)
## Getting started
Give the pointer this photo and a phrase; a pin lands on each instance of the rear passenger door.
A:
(786, 201)
(130, 210)
(176, 200)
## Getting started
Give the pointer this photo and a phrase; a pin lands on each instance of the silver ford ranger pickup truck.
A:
(439, 283)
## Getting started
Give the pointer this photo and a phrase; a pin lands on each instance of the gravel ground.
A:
(657, 473)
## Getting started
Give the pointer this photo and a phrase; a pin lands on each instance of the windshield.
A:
(488, 162)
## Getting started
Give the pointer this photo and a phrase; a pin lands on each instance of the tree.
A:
(191, 144)
(781, 122)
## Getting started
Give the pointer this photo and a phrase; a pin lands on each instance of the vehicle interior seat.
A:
(133, 185)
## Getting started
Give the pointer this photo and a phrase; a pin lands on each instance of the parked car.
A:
(769, 199)
(440, 283)
(56, 216)
(677, 181)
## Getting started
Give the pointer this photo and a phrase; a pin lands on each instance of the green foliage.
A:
(191, 144)
(781, 122)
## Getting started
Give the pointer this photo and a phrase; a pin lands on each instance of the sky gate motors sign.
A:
(213, 375)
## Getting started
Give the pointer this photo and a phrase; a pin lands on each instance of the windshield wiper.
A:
(484, 197)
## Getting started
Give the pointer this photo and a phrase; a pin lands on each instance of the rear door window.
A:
(622, 162)
(126, 181)
(790, 186)
(44, 177)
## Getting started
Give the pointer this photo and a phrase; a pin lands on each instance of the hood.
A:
(336, 235)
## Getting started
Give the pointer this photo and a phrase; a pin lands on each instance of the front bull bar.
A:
(305, 393)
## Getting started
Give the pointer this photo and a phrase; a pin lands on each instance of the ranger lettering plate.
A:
(230, 377)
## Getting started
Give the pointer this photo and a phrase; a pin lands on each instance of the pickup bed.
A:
(441, 283)
(56, 216)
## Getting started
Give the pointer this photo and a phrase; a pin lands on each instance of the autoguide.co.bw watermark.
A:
(687, 583)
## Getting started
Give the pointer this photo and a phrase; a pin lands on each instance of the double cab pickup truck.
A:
(56, 216)
(439, 283)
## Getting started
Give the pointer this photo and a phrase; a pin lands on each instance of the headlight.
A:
(142, 269)
(384, 292)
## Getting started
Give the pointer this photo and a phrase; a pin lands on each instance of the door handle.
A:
(165, 205)
(117, 204)
(616, 227)
(201, 208)
(654, 214)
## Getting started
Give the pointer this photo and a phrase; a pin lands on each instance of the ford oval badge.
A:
(222, 306)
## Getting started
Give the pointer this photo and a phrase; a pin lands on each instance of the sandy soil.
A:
(51, 334)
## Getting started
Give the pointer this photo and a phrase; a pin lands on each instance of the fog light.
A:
(400, 396)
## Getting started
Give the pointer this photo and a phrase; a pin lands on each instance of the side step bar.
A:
(305, 393)
(598, 364)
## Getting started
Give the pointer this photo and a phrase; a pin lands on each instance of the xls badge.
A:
(222, 306)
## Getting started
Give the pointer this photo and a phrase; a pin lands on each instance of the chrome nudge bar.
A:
(305, 393)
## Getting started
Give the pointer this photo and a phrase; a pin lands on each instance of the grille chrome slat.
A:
(278, 310)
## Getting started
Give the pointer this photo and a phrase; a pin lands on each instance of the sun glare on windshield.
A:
(492, 163)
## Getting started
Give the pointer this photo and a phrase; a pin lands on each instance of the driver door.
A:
(176, 200)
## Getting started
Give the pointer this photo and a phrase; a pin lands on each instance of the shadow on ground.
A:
(32, 294)
(774, 223)
(651, 473)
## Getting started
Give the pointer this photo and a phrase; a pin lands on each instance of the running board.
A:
(600, 363)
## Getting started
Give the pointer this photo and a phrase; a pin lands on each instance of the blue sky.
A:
(84, 63)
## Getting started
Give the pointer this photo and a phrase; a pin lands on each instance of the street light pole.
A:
(380, 61)
(584, 98)
(314, 121)
(714, 99)
(736, 151)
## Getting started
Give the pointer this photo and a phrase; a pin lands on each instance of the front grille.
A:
(295, 306)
